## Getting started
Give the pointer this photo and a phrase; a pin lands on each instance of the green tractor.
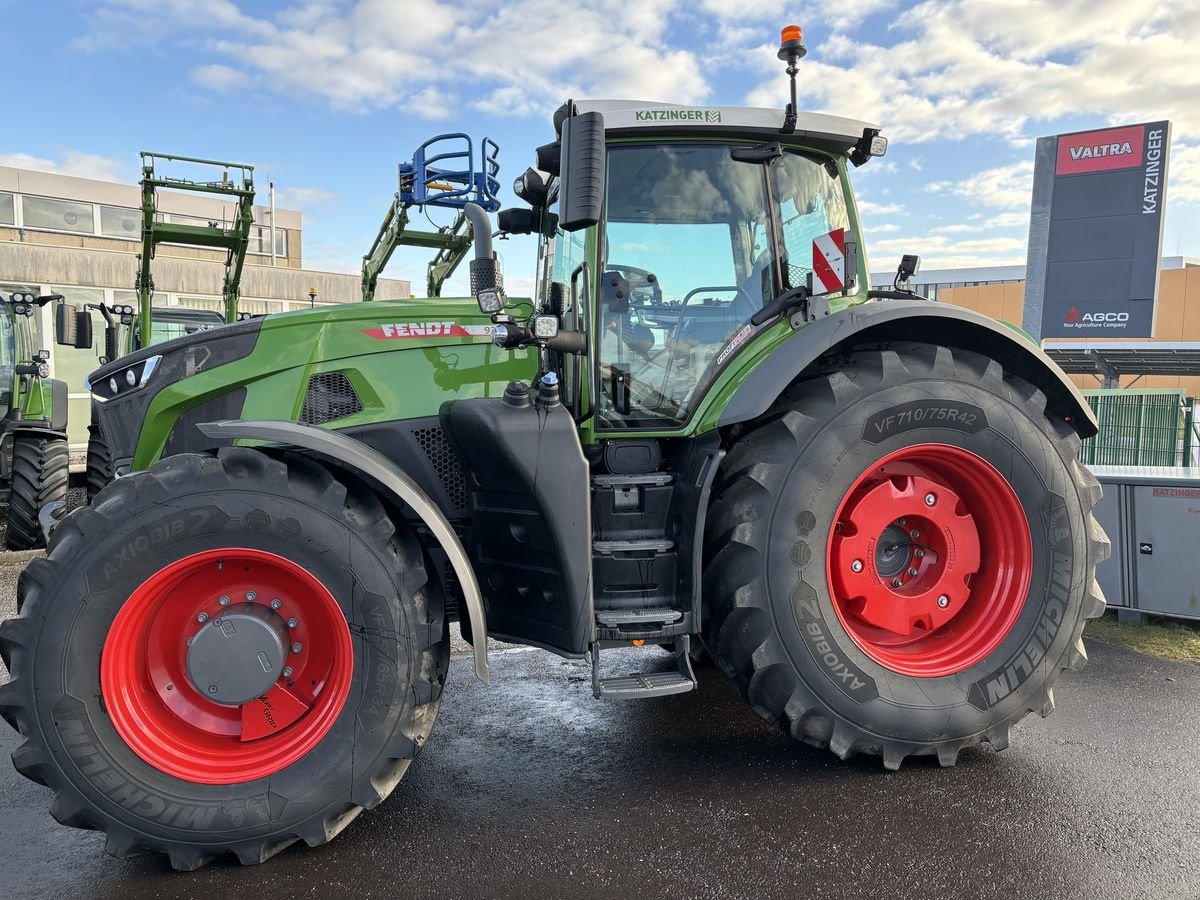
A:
(34, 465)
(702, 430)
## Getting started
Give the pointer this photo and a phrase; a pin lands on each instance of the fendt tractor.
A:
(34, 463)
(127, 328)
(702, 430)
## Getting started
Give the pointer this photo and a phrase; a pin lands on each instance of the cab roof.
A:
(630, 117)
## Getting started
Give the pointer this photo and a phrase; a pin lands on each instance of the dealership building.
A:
(81, 238)
(999, 292)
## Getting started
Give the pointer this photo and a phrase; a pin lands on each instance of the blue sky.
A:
(325, 97)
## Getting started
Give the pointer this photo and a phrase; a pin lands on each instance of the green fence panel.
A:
(1137, 427)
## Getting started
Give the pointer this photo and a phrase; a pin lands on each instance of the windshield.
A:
(698, 242)
(169, 330)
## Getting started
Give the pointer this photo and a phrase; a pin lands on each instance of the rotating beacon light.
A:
(791, 51)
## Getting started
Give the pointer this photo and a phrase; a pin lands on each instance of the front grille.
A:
(330, 396)
(445, 463)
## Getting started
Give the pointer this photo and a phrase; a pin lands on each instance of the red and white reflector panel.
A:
(829, 262)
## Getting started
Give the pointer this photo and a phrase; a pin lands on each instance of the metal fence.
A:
(1149, 427)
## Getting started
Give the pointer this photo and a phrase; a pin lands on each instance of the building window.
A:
(118, 222)
(260, 241)
(8, 210)
(59, 215)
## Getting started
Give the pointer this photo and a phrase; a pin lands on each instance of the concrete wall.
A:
(1178, 318)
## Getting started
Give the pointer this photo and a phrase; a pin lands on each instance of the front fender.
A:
(376, 469)
(908, 320)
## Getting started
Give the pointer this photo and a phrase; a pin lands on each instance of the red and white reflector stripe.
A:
(829, 262)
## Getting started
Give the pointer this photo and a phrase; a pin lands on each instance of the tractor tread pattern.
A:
(40, 473)
(738, 630)
(99, 462)
(317, 485)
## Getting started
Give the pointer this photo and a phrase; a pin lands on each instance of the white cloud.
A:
(218, 77)
(965, 67)
(302, 198)
(1183, 174)
(870, 208)
(886, 228)
(520, 57)
(73, 162)
(1002, 187)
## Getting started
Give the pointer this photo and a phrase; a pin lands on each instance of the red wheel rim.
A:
(929, 560)
(170, 722)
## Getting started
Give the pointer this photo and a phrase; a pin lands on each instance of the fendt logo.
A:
(1101, 151)
(1075, 319)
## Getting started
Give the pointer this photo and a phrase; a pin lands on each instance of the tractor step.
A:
(644, 685)
(637, 546)
(614, 618)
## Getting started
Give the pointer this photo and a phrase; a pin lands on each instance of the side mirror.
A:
(582, 182)
(72, 327)
(65, 325)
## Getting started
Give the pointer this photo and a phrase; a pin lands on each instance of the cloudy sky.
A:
(326, 96)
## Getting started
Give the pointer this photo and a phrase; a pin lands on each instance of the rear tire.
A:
(99, 462)
(41, 470)
(792, 617)
(377, 650)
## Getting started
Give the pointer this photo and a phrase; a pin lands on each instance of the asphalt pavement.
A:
(530, 788)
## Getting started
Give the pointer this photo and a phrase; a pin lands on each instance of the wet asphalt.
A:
(530, 788)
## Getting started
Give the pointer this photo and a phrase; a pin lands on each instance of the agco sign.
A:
(1075, 319)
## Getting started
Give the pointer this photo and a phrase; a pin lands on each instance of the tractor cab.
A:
(677, 245)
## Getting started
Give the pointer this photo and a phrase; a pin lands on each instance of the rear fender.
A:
(378, 471)
(908, 320)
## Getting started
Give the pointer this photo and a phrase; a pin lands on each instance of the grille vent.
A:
(445, 463)
(330, 396)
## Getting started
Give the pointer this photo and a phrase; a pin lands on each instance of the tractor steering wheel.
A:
(641, 283)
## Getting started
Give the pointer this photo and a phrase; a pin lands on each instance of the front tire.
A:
(40, 474)
(99, 461)
(113, 662)
(901, 555)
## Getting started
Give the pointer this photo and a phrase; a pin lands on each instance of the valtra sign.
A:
(1095, 232)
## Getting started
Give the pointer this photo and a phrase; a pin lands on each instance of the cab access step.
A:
(644, 685)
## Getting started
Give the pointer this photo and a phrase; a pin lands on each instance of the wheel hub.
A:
(929, 560)
(239, 655)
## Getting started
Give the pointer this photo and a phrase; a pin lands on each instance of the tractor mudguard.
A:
(918, 320)
(58, 404)
(39, 427)
(372, 466)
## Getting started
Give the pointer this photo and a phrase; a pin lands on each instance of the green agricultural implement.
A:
(34, 468)
(701, 431)
(128, 329)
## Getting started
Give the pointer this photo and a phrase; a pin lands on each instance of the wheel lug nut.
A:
(902, 521)
(912, 572)
(895, 582)
(915, 533)
(856, 566)
(920, 554)
(250, 595)
(224, 601)
(293, 622)
(212, 688)
(943, 601)
(930, 499)
(276, 603)
(202, 618)
(296, 648)
(287, 671)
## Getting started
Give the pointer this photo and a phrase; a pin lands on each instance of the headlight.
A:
(124, 380)
(43, 370)
(545, 327)
(490, 300)
(500, 335)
